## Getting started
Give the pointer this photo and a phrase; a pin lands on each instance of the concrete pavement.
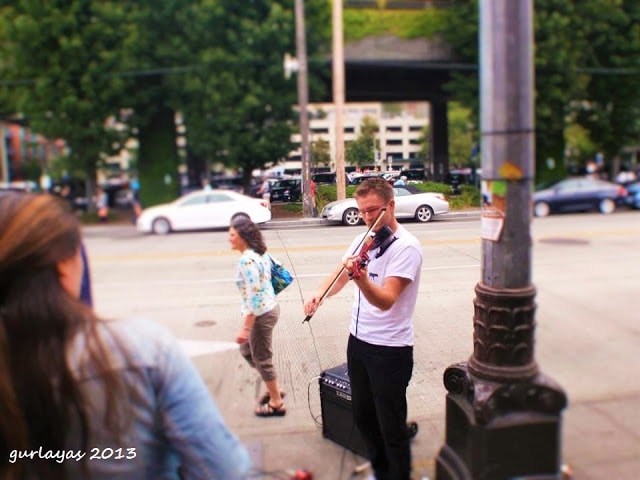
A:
(600, 438)
(586, 338)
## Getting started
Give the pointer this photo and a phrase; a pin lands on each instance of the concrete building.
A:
(22, 151)
(400, 127)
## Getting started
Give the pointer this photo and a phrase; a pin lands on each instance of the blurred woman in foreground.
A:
(81, 397)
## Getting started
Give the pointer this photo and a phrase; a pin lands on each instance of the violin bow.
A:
(357, 249)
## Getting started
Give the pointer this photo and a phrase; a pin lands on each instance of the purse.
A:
(281, 278)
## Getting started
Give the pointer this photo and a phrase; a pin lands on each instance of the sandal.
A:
(268, 410)
(267, 397)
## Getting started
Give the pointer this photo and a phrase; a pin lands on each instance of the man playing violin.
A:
(380, 345)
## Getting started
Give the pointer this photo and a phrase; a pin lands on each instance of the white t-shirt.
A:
(393, 327)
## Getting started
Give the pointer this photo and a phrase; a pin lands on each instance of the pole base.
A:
(500, 431)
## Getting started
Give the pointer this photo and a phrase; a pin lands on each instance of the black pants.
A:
(379, 377)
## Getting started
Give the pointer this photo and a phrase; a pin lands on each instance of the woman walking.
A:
(259, 309)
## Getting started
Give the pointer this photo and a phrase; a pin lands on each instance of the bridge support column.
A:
(439, 139)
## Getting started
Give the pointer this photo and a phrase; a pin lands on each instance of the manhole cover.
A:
(205, 323)
(565, 241)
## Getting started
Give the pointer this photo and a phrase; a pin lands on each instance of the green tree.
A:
(611, 103)
(362, 150)
(217, 62)
(246, 119)
(425, 146)
(461, 135)
(558, 48)
(55, 62)
(320, 154)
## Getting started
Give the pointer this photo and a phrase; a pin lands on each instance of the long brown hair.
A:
(40, 399)
(250, 233)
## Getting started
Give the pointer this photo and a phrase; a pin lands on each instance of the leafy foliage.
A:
(68, 66)
(586, 54)
(462, 135)
(359, 23)
(320, 154)
(361, 151)
(55, 63)
(612, 104)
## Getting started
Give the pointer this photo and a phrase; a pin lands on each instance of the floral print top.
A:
(253, 278)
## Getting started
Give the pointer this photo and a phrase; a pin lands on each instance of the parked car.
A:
(358, 179)
(286, 190)
(578, 195)
(414, 175)
(202, 210)
(633, 194)
(409, 204)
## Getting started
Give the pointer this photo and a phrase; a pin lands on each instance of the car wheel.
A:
(541, 209)
(161, 226)
(351, 217)
(607, 206)
(424, 214)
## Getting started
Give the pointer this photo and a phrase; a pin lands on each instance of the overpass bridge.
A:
(389, 69)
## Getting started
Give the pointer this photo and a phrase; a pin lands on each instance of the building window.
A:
(416, 128)
(394, 142)
(394, 129)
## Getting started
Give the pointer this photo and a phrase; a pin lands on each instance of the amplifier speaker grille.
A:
(337, 417)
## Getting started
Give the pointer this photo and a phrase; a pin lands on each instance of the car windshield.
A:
(194, 200)
(401, 192)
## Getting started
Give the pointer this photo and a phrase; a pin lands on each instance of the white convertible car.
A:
(202, 210)
(409, 204)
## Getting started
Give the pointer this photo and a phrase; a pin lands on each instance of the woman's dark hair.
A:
(40, 399)
(250, 233)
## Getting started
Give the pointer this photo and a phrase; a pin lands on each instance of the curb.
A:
(319, 222)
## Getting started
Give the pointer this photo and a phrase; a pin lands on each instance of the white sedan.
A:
(420, 206)
(202, 210)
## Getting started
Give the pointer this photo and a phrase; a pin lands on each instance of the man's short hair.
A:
(377, 185)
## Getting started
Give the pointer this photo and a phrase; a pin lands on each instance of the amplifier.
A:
(337, 417)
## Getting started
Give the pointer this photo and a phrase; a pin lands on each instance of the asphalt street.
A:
(585, 269)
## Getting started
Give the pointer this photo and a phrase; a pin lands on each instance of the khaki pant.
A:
(257, 350)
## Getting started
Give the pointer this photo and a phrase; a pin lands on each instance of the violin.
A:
(375, 241)
(363, 253)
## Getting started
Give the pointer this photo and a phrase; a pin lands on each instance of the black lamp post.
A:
(503, 417)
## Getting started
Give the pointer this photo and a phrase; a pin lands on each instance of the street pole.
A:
(4, 166)
(338, 97)
(502, 415)
(303, 102)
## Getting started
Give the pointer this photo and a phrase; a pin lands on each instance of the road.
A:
(585, 268)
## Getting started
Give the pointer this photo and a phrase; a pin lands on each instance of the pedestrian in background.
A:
(380, 344)
(102, 205)
(73, 382)
(401, 182)
(259, 309)
(314, 201)
(265, 191)
(136, 204)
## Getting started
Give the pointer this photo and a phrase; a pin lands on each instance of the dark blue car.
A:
(579, 195)
(633, 194)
